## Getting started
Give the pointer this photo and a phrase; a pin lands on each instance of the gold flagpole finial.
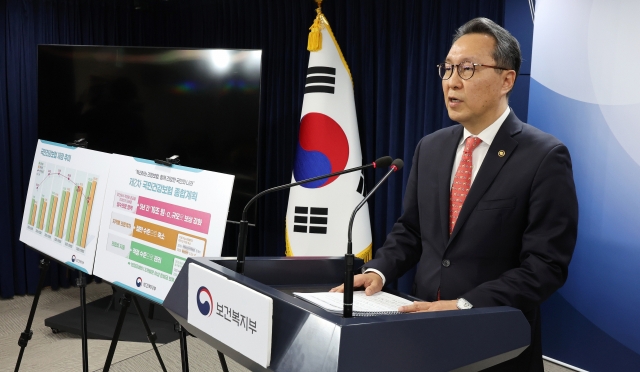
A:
(315, 36)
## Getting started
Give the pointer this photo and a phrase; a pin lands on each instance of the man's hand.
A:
(420, 307)
(371, 282)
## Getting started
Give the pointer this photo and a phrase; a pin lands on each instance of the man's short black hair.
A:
(507, 51)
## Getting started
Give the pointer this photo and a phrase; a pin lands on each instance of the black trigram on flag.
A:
(320, 79)
(310, 220)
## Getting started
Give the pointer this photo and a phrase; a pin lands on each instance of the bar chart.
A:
(61, 204)
(61, 217)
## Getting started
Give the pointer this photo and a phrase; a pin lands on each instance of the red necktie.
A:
(462, 181)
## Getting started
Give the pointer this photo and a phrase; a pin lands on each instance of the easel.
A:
(25, 336)
(125, 301)
(183, 350)
(81, 282)
(184, 356)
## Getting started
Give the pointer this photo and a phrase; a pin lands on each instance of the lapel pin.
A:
(501, 153)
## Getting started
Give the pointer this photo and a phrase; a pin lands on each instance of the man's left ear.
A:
(508, 80)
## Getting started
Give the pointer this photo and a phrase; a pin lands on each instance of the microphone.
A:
(382, 162)
(347, 311)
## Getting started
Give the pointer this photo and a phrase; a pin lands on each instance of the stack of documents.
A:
(381, 303)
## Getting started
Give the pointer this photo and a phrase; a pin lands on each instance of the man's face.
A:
(479, 101)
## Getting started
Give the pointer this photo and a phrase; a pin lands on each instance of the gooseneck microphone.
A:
(347, 311)
(382, 162)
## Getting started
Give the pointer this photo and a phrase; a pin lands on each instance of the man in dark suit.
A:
(490, 210)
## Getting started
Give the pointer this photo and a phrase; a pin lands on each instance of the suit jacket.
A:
(514, 237)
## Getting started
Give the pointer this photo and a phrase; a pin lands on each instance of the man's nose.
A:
(455, 81)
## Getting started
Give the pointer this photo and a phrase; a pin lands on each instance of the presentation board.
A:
(64, 201)
(156, 216)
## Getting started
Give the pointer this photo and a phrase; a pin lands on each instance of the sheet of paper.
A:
(379, 302)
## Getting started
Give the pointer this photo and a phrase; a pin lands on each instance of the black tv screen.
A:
(152, 103)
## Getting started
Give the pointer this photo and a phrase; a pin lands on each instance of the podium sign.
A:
(231, 312)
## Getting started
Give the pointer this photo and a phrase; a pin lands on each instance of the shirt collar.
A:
(489, 133)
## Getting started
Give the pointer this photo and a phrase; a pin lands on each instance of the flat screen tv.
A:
(200, 104)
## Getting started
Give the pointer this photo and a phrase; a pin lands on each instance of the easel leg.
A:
(150, 335)
(26, 335)
(151, 311)
(81, 282)
(184, 355)
(125, 301)
(223, 362)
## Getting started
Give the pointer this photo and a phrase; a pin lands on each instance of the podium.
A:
(308, 338)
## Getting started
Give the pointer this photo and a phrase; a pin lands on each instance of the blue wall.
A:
(592, 321)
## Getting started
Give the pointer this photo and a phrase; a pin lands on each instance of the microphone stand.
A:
(347, 310)
(244, 224)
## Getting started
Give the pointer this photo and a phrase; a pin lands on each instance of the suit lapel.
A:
(444, 177)
(490, 168)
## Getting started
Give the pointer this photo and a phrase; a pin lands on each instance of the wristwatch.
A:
(463, 304)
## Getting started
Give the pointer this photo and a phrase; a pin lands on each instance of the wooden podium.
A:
(307, 338)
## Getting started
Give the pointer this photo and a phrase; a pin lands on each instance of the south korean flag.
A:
(318, 212)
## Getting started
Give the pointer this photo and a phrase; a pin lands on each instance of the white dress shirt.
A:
(480, 152)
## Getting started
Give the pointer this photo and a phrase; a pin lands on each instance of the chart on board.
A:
(62, 211)
(154, 218)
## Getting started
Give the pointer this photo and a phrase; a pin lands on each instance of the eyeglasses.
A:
(465, 69)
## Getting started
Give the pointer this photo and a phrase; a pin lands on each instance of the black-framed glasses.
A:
(465, 69)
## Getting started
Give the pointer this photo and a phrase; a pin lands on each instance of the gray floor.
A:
(62, 352)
